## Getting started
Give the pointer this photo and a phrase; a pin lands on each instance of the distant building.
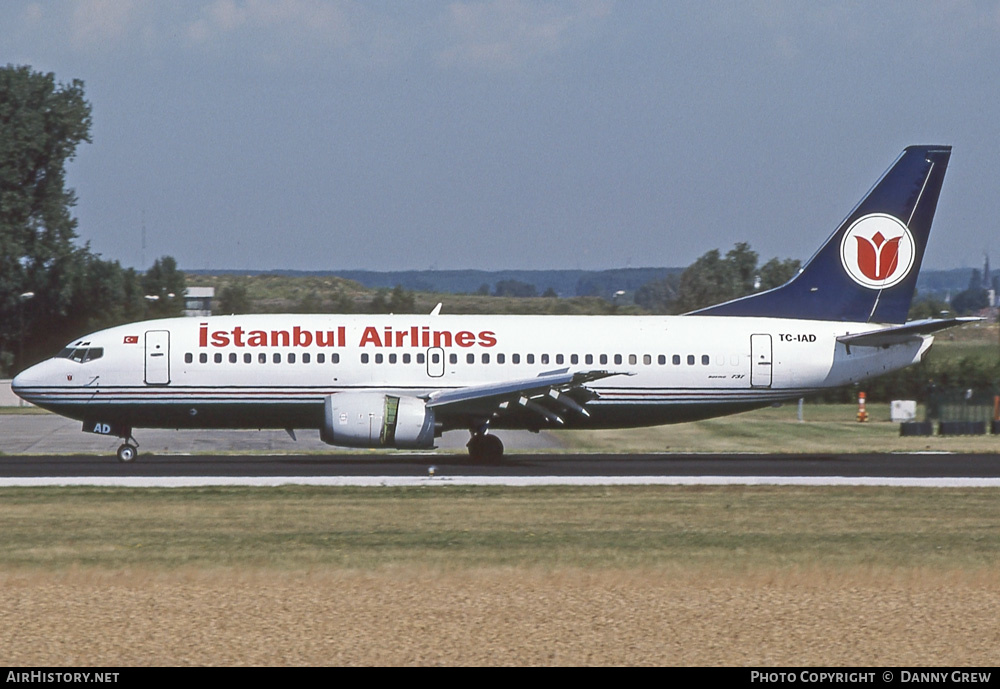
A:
(988, 281)
(198, 301)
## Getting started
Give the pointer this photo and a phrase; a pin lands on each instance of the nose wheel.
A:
(127, 453)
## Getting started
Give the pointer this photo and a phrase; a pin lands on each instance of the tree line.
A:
(51, 289)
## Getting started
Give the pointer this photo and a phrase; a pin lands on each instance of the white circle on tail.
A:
(877, 251)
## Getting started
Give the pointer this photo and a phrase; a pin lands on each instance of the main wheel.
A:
(127, 453)
(484, 447)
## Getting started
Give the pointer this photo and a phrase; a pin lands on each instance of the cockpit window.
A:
(81, 355)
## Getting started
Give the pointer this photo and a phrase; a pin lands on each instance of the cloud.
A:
(95, 24)
(291, 21)
(501, 34)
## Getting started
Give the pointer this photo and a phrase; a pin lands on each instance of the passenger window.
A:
(247, 358)
(262, 358)
(486, 358)
(676, 359)
(530, 359)
(662, 359)
(334, 358)
(690, 359)
(470, 358)
(232, 358)
(378, 358)
(618, 358)
(218, 357)
(545, 358)
(501, 358)
(364, 358)
(321, 358)
(589, 359)
(406, 358)
(604, 358)
(392, 358)
(705, 359)
(276, 358)
(515, 358)
(453, 358)
(291, 358)
(188, 358)
(203, 358)
(306, 358)
(632, 359)
(647, 359)
(421, 358)
(574, 358)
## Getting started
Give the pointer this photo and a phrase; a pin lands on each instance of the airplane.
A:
(400, 381)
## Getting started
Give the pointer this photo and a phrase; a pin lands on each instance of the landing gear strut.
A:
(484, 447)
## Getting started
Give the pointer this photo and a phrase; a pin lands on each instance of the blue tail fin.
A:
(867, 270)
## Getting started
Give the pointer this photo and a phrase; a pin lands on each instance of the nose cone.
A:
(21, 381)
(28, 383)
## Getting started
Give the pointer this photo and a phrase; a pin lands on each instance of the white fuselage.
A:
(276, 370)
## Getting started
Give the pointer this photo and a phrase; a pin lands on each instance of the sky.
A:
(507, 134)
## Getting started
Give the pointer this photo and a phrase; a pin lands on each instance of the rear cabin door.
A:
(760, 361)
(157, 357)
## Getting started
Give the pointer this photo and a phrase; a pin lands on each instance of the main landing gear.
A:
(484, 447)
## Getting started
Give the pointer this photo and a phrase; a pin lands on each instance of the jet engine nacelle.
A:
(373, 419)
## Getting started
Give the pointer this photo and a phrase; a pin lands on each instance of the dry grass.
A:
(507, 616)
(750, 576)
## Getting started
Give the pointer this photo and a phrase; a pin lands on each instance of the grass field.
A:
(753, 576)
(824, 429)
(726, 529)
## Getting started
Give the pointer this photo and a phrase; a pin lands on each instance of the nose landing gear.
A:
(127, 453)
(129, 450)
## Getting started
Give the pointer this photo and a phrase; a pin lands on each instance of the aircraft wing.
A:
(548, 395)
(902, 333)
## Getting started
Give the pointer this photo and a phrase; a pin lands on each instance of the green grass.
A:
(727, 529)
(825, 429)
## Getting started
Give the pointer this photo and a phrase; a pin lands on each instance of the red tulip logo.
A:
(878, 256)
(877, 251)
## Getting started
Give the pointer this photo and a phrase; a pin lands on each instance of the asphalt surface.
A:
(41, 446)
(588, 465)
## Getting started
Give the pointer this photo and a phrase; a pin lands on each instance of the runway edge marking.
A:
(397, 481)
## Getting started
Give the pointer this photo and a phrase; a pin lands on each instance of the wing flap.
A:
(528, 393)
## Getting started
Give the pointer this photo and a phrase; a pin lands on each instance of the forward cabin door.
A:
(157, 357)
(760, 361)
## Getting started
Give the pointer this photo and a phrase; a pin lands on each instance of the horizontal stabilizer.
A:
(903, 333)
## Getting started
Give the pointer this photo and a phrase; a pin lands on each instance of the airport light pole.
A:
(25, 296)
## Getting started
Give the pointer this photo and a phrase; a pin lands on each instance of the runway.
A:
(519, 469)
(36, 451)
